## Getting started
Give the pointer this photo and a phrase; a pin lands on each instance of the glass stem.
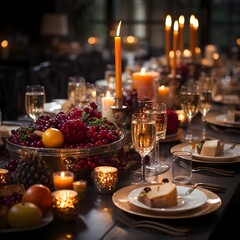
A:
(157, 151)
(189, 129)
(204, 135)
(143, 169)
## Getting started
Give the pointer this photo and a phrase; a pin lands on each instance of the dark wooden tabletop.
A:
(97, 213)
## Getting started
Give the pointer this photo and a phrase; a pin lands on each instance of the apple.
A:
(40, 195)
(24, 215)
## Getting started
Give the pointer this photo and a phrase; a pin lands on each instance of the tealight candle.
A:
(63, 180)
(80, 187)
(3, 176)
(181, 117)
(65, 205)
(105, 179)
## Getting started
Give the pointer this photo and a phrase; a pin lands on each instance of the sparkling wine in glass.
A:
(205, 102)
(143, 133)
(189, 102)
(160, 112)
(34, 100)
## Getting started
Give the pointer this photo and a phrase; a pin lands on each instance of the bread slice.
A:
(212, 148)
(159, 196)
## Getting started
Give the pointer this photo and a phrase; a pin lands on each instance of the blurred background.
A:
(59, 38)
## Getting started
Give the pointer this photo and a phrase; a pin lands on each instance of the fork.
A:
(215, 170)
(169, 229)
(231, 147)
(210, 186)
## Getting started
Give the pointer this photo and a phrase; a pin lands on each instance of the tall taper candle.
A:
(181, 33)
(168, 24)
(118, 63)
(191, 35)
(175, 41)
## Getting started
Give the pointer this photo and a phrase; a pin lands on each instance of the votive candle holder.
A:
(80, 187)
(63, 180)
(105, 179)
(65, 205)
(3, 176)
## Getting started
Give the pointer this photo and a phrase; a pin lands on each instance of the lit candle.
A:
(168, 24)
(163, 94)
(181, 33)
(144, 82)
(3, 176)
(63, 180)
(175, 41)
(118, 63)
(105, 179)
(65, 205)
(195, 30)
(191, 34)
(4, 50)
(107, 103)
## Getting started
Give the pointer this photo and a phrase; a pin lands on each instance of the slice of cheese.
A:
(212, 148)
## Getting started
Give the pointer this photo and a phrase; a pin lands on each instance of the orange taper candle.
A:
(175, 41)
(181, 33)
(118, 63)
(168, 24)
(191, 35)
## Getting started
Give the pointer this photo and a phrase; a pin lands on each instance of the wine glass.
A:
(143, 133)
(34, 100)
(160, 112)
(205, 101)
(189, 95)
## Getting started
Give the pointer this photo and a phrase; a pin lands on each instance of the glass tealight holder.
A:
(105, 179)
(80, 187)
(3, 176)
(63, 180)
(65, 205)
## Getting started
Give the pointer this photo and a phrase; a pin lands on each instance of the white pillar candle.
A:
(107, 103)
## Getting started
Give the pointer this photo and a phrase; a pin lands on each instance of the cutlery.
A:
(223, 172)
(209, 186)
(231, 147)
(169, 229)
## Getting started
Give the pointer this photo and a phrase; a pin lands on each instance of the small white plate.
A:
(196, 199)
(228, 155)
(224, 119)
(52, 107)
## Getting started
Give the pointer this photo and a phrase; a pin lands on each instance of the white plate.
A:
(196, 199)
(224, 119)
(52, 107)
(46, 220)
(228, 155)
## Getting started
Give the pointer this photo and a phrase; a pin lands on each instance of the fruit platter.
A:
(77, 140)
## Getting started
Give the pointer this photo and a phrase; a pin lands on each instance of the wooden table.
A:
(97, 220)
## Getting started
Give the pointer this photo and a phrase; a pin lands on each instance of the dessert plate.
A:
(230, 156)
(224, 119)
(227, 155)
(194, 200)
(46, 220)
(121, 200)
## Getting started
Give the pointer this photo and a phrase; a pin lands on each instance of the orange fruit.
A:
(52, 138)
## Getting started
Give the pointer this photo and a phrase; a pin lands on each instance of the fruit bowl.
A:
(62, 158)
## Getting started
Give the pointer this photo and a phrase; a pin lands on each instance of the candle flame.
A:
(168, 21)
(175, 27)
(62, 174)
(4, 43)
(192, 19)
(195, 23)
(143, 70)
(162, 87)
(181, 20)
(108, 94)
(118, 29)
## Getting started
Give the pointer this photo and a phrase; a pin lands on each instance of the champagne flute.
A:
(205, 102)
(189, 96)
(34, 100)
(160, 112)
(143, 133)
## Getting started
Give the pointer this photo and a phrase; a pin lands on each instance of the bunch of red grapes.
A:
(96, 130)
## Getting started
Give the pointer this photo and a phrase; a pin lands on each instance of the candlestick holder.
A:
(118, 112)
